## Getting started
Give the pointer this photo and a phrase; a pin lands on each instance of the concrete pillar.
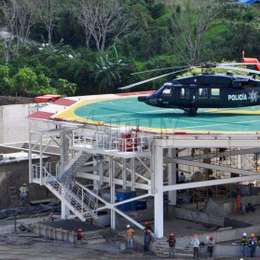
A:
(172, 176)
(158, 191)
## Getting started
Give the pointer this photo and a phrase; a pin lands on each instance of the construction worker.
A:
(244, 245)
(130, 236)
(148, 238)
(211, 244)
(195, 242)
(172, 242)
(252, 243)
(80, 235)
(23, 194)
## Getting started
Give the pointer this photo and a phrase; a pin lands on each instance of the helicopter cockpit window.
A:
(203, 92)
(215, 92)
(167, 91)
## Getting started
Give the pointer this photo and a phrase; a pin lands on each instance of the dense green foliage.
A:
(159, 34)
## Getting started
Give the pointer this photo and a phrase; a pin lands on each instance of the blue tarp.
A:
(249, 1)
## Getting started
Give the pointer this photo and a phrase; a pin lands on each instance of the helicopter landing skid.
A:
(191, 111)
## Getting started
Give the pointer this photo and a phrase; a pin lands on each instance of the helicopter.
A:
(205, 90)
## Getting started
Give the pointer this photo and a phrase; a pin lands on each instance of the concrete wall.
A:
(15, 174)
(197, 216)
(220, 236)
(55, 233)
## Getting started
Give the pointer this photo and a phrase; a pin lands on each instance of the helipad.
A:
(117, 110)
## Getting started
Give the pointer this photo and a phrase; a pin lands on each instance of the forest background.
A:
(82, 47)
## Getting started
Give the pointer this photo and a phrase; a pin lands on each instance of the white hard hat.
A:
(128, 226)
(244, 234)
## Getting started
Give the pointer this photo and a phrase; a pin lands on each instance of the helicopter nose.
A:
(142, 98)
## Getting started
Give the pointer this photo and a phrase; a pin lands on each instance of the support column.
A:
(172, 176)
(133, 174)
(95, 172)
(64, 150)
(158, 191)
(100, 172)
(124, 175)
(64, 210)
(112, 193)
(41, 161)
(30, 154)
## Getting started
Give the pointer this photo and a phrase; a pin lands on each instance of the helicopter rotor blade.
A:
(237, 64)
(152, 79)
(239, 69)
(159, 69)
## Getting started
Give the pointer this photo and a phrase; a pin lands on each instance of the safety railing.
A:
(81, 201)
(120, 142)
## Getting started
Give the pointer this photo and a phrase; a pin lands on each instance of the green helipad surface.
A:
(130, 112)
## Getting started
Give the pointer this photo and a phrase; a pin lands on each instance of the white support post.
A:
(158, 191)
(100, 172)
(95, 172)
(112, 193)
(64, 210)
(30, 155)
(41, 162)
(172, 172)
(124, 176)
(133, 174)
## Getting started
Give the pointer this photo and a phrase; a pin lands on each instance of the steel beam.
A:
(214, 167)
(210, 141)
(217, 154)
(200, 184)
(117, 181)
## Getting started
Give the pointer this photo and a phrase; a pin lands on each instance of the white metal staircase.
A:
(76, 197)
(72, 168)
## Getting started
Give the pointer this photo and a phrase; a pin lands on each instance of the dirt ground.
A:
(28, 246)
(8, 100)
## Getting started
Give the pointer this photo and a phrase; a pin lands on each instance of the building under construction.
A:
(118, 156)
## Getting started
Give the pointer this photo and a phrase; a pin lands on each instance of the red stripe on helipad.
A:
(136, 93)
(41, 115)
(64, 102)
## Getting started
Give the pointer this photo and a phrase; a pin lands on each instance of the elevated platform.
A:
(121, 111)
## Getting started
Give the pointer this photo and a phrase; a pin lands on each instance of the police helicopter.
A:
(207, 89)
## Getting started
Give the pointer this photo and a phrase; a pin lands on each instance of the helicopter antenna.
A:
(153, 78)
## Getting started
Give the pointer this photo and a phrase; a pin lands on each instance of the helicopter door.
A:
(193, 95)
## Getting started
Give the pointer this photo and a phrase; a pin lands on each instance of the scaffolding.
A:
(97, 158)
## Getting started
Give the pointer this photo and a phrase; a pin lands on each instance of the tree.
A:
(19, 18)
(24, 81)
(101, 20)
(48, 11)
(108, 70)
(190, 25)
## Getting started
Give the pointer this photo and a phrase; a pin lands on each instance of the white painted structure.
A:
(144, 162)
